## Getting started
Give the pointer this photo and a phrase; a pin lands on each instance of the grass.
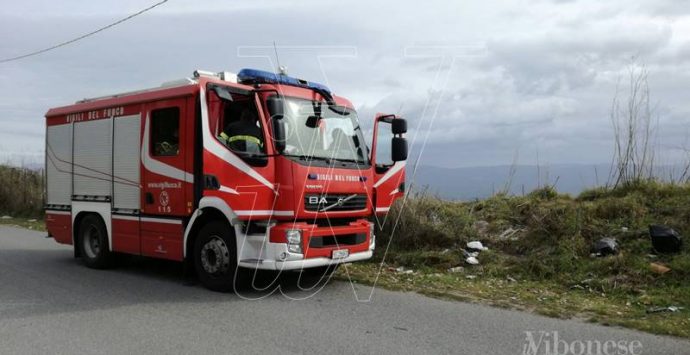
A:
(28, 223)
(543, 263)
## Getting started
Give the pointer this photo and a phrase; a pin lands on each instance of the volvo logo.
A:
(341, 201)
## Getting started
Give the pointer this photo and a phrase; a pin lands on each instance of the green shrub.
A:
(544, 193)
(21, 192)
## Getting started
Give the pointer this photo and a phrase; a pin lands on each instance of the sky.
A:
(482, 83)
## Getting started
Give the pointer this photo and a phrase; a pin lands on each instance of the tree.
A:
(633, 158)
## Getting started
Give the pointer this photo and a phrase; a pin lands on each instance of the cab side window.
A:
(383, 146)
(241, 130)
(235, 120)
(165, 131)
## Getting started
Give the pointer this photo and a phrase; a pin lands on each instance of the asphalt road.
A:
(50, 303)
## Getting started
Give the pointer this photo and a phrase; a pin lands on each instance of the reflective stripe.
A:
(161, 220)
(394, 169)
(251, 139)
(64, 213)
(263, 213)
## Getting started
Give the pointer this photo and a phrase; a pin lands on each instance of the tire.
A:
(215, 257)
(93, 243)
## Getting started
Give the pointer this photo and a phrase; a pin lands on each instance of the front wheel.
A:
(215, 257)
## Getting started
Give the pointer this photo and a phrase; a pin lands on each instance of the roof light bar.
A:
(255, 76)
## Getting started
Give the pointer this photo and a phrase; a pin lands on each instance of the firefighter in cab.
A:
(243, 135)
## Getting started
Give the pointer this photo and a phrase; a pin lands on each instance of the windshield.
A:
(313, 130)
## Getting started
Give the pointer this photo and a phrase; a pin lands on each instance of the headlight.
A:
(294, 239)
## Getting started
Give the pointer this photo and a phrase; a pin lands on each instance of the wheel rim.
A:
(215, 256)
(92, 242)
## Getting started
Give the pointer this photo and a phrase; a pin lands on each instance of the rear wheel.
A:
(215, 257)
(93, 243)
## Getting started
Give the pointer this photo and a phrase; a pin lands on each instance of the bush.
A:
(544, 193)
(425, 223)
(21, 192)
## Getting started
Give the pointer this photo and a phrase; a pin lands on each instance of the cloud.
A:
(539, 79)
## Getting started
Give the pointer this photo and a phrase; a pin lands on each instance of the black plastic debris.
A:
(665, 239)
(605, 246)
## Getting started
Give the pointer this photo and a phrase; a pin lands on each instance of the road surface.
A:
(50, 303)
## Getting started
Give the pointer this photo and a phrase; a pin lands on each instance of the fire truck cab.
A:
(224, 171)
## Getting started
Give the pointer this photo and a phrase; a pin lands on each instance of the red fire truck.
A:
(251, 170)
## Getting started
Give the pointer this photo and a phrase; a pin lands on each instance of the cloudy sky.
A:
(479, 80)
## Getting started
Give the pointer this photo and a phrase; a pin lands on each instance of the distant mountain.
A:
(479, 182)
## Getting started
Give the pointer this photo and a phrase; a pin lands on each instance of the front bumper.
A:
(270, 251)
(304, 263)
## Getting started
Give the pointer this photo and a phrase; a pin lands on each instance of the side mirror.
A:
(312, 121)
(399, 149)
(399, 126)
(279, 135)
(275, 107)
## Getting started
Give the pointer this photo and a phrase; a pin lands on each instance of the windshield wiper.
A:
(308, 157)
(327, 160)
(358, 161)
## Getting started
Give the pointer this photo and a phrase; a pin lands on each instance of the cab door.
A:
(389, 155)
(167, 176)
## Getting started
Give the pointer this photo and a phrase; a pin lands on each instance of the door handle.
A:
(149, 198)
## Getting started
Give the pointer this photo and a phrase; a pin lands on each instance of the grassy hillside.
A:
(21, 192)
(539, 253)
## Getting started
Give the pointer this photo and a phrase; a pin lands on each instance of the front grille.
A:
(335, 202)
(337, 240)
(331, 222)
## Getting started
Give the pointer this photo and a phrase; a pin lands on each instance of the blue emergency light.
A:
(255, 76)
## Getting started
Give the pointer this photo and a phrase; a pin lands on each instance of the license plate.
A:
(339, 254)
